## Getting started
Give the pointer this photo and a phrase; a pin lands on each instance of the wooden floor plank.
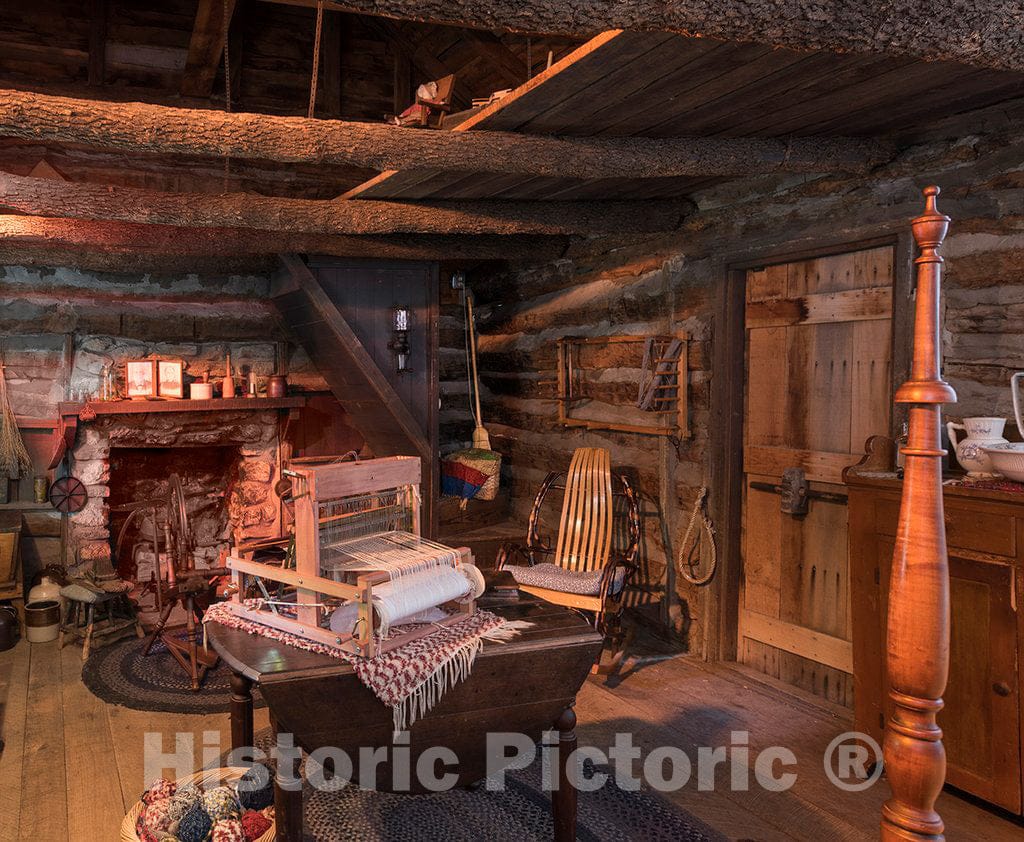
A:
(44, 804)
(93, 788)
(66, 748)
(14, 672)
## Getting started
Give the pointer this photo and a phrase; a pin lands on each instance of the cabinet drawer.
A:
(966, 529)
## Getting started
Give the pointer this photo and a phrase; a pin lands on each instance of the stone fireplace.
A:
(228, 461)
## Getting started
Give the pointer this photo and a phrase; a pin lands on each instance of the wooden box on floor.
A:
(981, 721)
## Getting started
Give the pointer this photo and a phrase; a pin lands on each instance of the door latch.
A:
(795, 492)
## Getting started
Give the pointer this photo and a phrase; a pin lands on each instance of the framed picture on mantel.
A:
(170, 378)
(140, 379)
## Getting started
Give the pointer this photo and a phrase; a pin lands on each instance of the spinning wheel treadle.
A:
(68, 495)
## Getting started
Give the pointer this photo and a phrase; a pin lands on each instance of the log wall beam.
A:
(974, 32)
(62, 199)
(124, 246)
(139, 127)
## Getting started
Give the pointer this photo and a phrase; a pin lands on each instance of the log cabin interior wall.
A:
(671, 284)
(654, 286)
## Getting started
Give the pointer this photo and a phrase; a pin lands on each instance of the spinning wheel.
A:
(178, 532)
(68, 495)
(183, 586)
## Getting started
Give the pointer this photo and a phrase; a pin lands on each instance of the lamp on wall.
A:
(400, 322)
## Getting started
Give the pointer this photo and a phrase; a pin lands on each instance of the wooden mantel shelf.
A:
(142, 407)
(70, 414)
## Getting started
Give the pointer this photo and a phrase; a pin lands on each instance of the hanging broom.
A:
(473, 473)
(14, 458)
(480, 438)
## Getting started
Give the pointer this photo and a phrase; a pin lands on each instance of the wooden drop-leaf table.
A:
(526, 686)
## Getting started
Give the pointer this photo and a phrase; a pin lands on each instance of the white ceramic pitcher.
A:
(981, 432)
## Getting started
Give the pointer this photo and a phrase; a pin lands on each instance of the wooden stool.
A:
(85, 599)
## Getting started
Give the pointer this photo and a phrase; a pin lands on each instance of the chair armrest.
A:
(610, 571)
(511, 552)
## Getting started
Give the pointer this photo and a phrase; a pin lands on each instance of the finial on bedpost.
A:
(917, 640)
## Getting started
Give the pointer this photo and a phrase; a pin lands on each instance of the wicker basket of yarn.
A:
(203, 780)
(486, 462)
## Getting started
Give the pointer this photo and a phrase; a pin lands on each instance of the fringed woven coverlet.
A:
(412, 678)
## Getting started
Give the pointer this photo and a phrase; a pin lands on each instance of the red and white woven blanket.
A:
(410, 679)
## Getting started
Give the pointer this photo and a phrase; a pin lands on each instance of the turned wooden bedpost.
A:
(918, 629)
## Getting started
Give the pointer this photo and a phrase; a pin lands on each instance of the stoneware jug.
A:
(981, 433)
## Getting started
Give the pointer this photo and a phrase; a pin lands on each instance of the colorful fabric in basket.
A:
(471, 473)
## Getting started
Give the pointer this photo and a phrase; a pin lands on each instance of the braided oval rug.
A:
(519, 813)
(119, 674)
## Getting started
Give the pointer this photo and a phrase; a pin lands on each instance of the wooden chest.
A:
(981, 721)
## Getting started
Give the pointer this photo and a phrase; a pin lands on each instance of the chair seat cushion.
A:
(555, 578)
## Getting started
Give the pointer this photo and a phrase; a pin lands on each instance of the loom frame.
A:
(312, 485)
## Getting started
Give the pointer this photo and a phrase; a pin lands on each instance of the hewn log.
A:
(206, 46)
(917, 637)
(43, 197)
(33, 239)
(139, 127)
(976, 32)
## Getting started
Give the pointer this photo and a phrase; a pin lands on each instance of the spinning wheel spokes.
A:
(177, 524)
(68, 495)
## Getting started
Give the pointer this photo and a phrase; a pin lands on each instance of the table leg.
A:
(241, 711)
(287, 803)
(563, 802)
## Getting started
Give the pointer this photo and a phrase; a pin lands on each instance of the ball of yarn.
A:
(221, 803)
(159, 790)
(142, 831)
(184, 798)
(255, 824)
(228, 830)
(156, 815)
(252, 797)
(195, 824)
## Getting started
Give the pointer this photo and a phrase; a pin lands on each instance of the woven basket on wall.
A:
(203, 780)
(487, 462)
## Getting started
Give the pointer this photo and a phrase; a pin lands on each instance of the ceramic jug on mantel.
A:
(981, 433)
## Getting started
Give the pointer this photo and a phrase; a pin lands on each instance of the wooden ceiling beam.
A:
(138, 127)
(120, 246)
(206, 47)
(49, 198)
(973, 32)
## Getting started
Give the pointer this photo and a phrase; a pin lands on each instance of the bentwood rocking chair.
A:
(585, 570)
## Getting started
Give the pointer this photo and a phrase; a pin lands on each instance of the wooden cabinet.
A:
(981, 721)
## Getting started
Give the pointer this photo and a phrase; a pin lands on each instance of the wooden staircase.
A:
(374, 407)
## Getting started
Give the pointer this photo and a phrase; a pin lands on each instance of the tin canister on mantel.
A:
(39, 488)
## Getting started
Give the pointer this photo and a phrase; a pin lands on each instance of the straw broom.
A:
(14, 458)
(480, 438)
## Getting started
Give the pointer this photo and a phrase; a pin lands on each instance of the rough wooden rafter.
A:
(976, 32)
(205, 47)
(45, 197)
(43, 241)
(138, 127)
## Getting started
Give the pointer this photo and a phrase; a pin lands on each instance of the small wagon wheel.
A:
(68, 495)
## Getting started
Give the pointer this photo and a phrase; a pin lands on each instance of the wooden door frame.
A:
(725, 470)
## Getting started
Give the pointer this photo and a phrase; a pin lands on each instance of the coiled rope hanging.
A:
(685, 560)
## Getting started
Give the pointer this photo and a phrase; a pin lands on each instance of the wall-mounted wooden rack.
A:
(576, 383)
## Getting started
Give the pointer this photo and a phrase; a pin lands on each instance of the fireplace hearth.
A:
(229, 461)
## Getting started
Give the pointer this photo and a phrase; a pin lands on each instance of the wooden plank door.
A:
(818, 366)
